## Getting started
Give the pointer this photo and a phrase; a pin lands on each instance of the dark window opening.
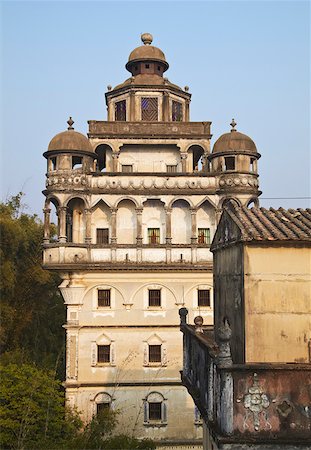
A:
(53, 163)
(204, 236)
(103, 353)
(120, 111)
(102, 235)
(171, 168)
(252, 164)
(149, 109)
(102, 408)
(127, 168)
(154, 297)
(153, 235)
(136, 68)
(159, 68)
(204, 297)
(176, 111)
(229, 163)
(154, 353)
(155, 411)
(77, 162)
(147, 66)
(69, 220)
(103, 296)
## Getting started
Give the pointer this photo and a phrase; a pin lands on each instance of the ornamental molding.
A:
(70, 181)
(234, 180)
(164, 183)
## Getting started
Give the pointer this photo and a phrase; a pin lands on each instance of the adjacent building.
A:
(251, 377)
(137, 202)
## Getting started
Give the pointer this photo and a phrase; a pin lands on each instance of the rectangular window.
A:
(103, 353)
(103, 296)
(149, 109)
(153, 235)
(155, 410)
(204, 236)
(252, 164)
(102, 235)
(77, 162)
(102, 408)
(154, 353)
(204, 297)
(171, 169)
(176, 111)
(154, 297)
(120, 111)
(53, 163)
(127, 168)
(229, 163)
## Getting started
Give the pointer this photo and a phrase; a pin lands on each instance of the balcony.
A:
(147, 130)
(245, 403)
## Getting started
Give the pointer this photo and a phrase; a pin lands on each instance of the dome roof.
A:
(70, 140)
(146, 52)
(234, 142)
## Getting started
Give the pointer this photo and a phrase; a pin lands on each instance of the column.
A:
(139, 238)
(62, 211)
(132, 108)
(168, 225)
(115, 157)
(110, 111)
(193, 225)
(166, 108)
(113, 239)
(218, 213)
(88, 217)
(184, 157)
(205, 162)
(46, 236)
(187, 113)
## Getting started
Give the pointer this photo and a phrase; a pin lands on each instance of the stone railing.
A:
(270, 403)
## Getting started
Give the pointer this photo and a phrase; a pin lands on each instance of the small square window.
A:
(204, 298)
(102, 408)
(149, 109)
(229, 163)
(147, 66)
(104, 296)
(153, 235)
(155, 353)
(171, 168)
(159, 68)
(204, 236)
(127, 168)
(155, 410)
(102, 235)
(103, 353)
(155, 297)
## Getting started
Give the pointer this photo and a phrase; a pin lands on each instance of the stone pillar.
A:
(115, 157)
(218, 213)
(110, 111)
(187, 112)
(113, 239)
(184, 157)
(193, 225)
(88, 231)
(205, 162)
(168, 225)
(166, 108)
(62, 212)
(224, 361)
(132, 108)
(46, 236)
(139, 237)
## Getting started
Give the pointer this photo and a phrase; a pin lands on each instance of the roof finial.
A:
(70, 123)
(146, 38)
(233, 124)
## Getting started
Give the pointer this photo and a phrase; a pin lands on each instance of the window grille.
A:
(102, 235)
(149, 109)
(155, 353)
(153, 235)
(154, 297)
(230, 163)
(155, 410)
(103, 297)
(120, 111)
(204, 236)
(127, 168)
(204, 297)
(103, 353)
(171, 169)
(176, 111)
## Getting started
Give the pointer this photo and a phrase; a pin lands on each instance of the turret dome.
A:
(70, 140)
(234, 142)
(146, 52)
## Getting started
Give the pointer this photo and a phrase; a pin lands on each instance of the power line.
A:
(284, 198)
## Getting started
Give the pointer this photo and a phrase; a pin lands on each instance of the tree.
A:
(32, 310)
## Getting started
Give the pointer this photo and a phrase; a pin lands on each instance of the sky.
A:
(245, 60)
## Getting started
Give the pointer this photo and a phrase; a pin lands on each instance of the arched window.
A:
(197, 152)
(75, 221)
(102, 403)
(104, 158)
(181, 222)
(155, 409)
(126, 222)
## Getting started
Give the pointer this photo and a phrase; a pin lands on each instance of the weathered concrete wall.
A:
(277, 304)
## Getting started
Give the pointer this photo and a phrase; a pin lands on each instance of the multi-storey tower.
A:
(137, 204)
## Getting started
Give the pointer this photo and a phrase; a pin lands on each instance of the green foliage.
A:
(32, 411)
(32, 311)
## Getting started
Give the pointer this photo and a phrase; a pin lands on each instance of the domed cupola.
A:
(70, 150)
(147, 58)
(234, 159)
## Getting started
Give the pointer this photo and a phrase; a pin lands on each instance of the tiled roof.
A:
(271, 224)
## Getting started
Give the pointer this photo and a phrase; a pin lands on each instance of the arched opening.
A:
(101, 223)
(253, 203)
(104, 158)
(196, 152)
(51, 220)
(77, 162)
(227, 200)
(153, 221)
(126, 222)
(206, 221)
(181, 222)
(75, 221)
